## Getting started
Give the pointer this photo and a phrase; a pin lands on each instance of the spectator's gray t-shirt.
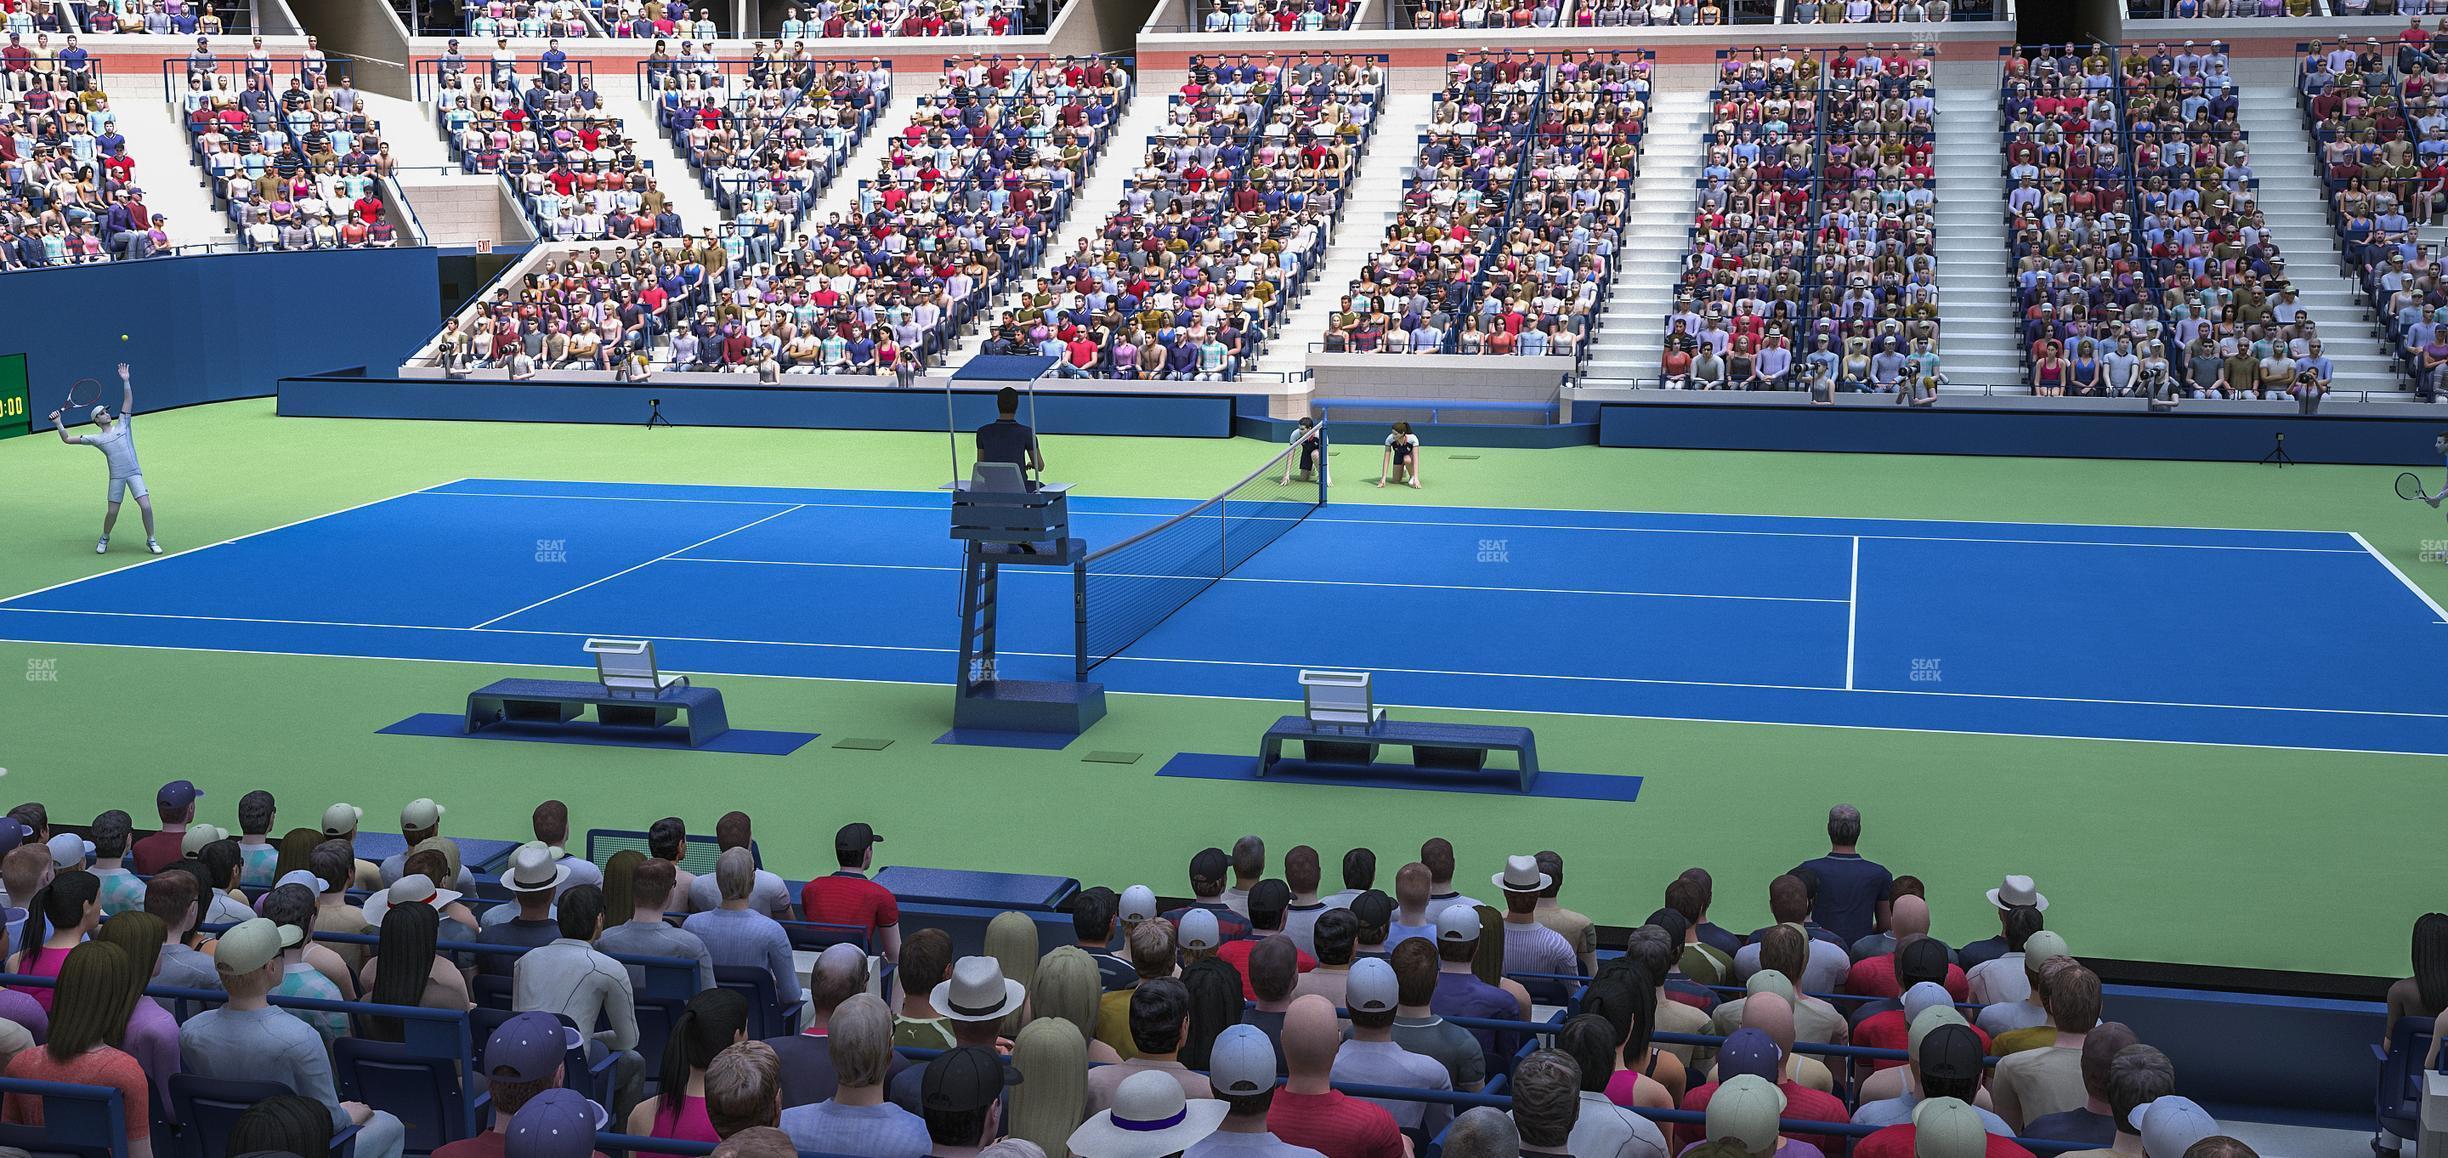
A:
(883, 1131)
(1450, 1044)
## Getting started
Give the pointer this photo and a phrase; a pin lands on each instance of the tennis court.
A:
(2300, 639)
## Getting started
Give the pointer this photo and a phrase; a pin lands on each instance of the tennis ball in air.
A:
(123, 337)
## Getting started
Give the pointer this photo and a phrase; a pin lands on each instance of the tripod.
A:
(2278, 453)
(654, 413)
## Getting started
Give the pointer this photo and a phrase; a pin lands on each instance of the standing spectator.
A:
(712, 1022)
(1159, 1023)
(1529, 945)
(94, 985)
(849, 898)
(2090, 1122)
(175, 805)
(767, 894)
(1242, 1068)
(736, 933)
(857, 1119)
(1308, 1111)
(647, 934)
(250, 1040)
(2038, 1082)
(568, 976)
(534, 877)
(1852, 891)
(1372, 1057)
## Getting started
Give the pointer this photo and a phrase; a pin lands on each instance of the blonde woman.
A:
(1069, 986)
(1048, 1104)
(1011, 939)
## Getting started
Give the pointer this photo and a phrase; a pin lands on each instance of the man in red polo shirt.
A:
(849, 898)
(1267, 902)
(1308, 1110)
(175, 805)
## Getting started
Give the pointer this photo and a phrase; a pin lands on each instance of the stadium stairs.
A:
(680, 186)
(1376, 198)
(1632, 325)
(1977, 346)
(861, 166)
(2287, 169)
(165, 163)
(1099, 196)
(453, 207)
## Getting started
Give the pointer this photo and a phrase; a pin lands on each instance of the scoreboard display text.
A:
(16, 410)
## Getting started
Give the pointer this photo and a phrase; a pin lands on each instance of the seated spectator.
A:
(1153, 955)
(1640, 1074)
(1372, 1056)
(1245, 1076)
(1755, 1053)
(2000, 980)
(1940, 1128)
(174, 896)
(963, 1096)
(1418, 1028)
(926, 959)
(976, 999)
(405, 969)
(1881, 976)
(1334, 935)
(2036, 1082)
(2032, 1011)
(1603, 1127)
(2089, 1123)
(1159, 1025)
(735, 932)
(61, 915)
(713, 1021)
(533, 879)
(2138, 1075)
(1267, 904)
(653, 883)
(857, 1119)
(1067, 989)
(1530, 946)
(1093, 913)
(568, 976)
(1946, 1063)
(1308, 1111)
(1892, 1028)
(421, 821)
(247, 1039)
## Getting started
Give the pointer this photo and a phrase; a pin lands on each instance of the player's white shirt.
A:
(118, 445)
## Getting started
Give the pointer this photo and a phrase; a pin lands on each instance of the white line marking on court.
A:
(146, 562)
(1852, 611)
(1294, 582)
(2402, 577)
(1243, 699)
(1633, 680)
(1491, 525)
(638, 567)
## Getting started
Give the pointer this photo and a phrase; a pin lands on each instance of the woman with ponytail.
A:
(96, 985)
(152, 1034)
(57, 920)
(405, 969)
(714, 1021)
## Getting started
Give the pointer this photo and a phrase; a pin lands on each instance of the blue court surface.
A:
(2300, 639)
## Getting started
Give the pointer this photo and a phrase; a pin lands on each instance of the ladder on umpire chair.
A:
(1002, 522)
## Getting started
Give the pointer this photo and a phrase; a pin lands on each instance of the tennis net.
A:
(1141, 581)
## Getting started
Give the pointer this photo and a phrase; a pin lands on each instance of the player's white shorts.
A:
(134, 482)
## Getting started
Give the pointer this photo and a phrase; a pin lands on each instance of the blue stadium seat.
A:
(423, 1092)
(2398, 1098)
(766, 1017)
(86, 1121)
(211, 1107)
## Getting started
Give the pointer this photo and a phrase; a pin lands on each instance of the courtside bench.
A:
(1458, 747)
(557, 702)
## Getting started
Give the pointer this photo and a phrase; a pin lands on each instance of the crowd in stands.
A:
(1874, 11)
(1233, 1023)
(295, 162)
(527, 20)
(1813, 263)
(1225, 215)
(598, 310)
(2232, 9)
(2382, 136)
(130, 17)
(830, 20)
(768, 134)
(639, 20)
(68, 192)
(1239, 16)
(1506, 239)
(542, 126)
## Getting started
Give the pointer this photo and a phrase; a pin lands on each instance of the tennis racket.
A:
(2410, 487)
(82, 394)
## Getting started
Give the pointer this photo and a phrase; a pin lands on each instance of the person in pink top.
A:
(714, 1021)
(58, 919)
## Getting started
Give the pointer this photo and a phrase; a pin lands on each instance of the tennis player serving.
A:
(115, 437)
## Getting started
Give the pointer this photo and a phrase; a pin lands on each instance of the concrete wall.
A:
(464, 210)
(1439, 377)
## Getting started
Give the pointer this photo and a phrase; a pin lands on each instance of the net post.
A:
(1079, 617)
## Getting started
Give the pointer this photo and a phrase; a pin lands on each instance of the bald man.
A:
(1909, 918)
(1308, 1111)
(1811, 1019)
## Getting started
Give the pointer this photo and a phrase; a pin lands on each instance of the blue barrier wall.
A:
(218, 326)
(2195, 435)
(801, 407)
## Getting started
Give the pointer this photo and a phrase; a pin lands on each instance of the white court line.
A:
(640, 566)
(148, 561)
(1293, 582)
(2402, 577)
(1628, 680)
(1485, 525)
(1248, 699)
(1852, 611)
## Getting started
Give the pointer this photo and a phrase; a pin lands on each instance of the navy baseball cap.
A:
(529, 1045)
(178, 794)
(1749, 1051)
(13, 832)
(558, 1123)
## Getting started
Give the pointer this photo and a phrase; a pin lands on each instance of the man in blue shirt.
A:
(1852, 895)
(1459, 992)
